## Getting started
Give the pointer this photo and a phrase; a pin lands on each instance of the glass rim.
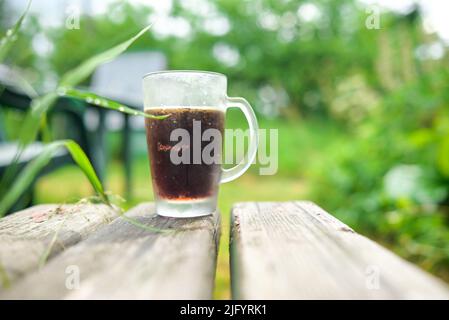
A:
(212, 73)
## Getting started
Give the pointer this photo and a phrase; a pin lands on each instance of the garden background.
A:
(358, 92)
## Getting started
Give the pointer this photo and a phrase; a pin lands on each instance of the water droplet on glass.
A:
(62, 91)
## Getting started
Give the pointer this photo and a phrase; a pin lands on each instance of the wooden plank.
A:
(125, 261)
(36, 234)
(296, 250)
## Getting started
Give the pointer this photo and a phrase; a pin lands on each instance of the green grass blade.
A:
(75, 76)
(144, 226)
(11, 35)
(42, 104)
(44, 257)
(102, 102)
(45, 130)
(84, 164)
(28, 133)
(32, 169)
(26, 177)
(39, 108)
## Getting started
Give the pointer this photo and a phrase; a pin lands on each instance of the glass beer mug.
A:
(185, 148)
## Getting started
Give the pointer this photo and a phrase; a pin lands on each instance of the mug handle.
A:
(236, 171)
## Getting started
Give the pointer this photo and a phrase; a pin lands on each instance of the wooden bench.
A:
(296, 250)
(93, 253)
(291, 250)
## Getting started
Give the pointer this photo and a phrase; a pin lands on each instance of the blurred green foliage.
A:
(363, 114)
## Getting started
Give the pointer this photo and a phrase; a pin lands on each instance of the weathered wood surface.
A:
(125, 261)
(34, 235)
(296, 250)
